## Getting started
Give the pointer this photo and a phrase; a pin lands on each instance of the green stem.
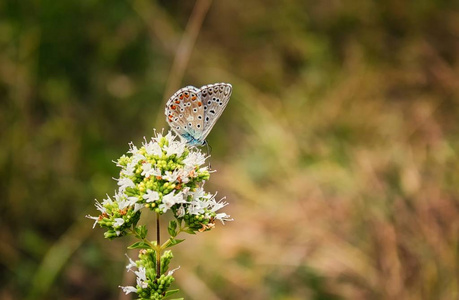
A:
(158, 249)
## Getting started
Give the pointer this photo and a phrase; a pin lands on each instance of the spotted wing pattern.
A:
(185, 112)
(215, 97)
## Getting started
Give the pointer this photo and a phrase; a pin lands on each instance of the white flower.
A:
(171, 176)
(131, 264)
(107, 201)
(125, 183)
(172, 271)
(137, 207)
(200, 193)
(153, 148)
(223, 217)
(129, 170)
(96, 219)
(118, 222)
(128, 289)
(151, 196)
(181, 212)
(175, 147)
(132, 148)
(196, 207)
(149, 171)
(141, 278)
(136, 157)
(170, 199)
(194, 159)
(217, 205)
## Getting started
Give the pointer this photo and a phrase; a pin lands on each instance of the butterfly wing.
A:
(214, 97)
(185, 113)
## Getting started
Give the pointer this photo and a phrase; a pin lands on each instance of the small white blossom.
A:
(170, 200)
(125, 183)
(131, 264)
(194, 159)
(128, 289)
(222, 217)
(130, 169)
(151, 196)
(172, 271)
(148, 170)
(153, 148)
(118, 222)
(141, 278)
(181, 212)
(175, 148)
(171, 176)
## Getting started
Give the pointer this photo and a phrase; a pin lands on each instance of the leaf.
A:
(172, 228)
(173, 242)
(141, 231)
(189, 231)
(171, 292)
(139, 245)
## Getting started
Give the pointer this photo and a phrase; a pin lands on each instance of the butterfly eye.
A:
(178, 127)
(195, 109)
(182, 109)
(189, 124)
(207, 119)
(200, 117)
(205, 107)
(198, 126)
(188, 104)
(175, 119)
(180, 116)
(221, 103)
(209, 102)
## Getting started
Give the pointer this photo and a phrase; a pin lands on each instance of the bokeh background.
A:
(338, 151)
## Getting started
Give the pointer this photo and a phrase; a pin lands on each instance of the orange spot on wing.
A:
(177, 101)
(181, 96)
(199, 103)
(193, 98)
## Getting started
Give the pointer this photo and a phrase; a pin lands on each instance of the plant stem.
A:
(158, 251)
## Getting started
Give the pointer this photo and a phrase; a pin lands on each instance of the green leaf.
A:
(171, 292)
(172, 228)
(173, 242)
(189, 230)
(141, 232)
(139, 245)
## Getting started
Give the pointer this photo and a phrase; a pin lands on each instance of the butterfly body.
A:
(192, 112)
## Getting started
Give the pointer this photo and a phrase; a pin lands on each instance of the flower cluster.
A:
(164, 174)
(148, 285)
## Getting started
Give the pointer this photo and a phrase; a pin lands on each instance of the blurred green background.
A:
(338, 151)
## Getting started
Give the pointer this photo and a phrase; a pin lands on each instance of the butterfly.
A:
(192, 112)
